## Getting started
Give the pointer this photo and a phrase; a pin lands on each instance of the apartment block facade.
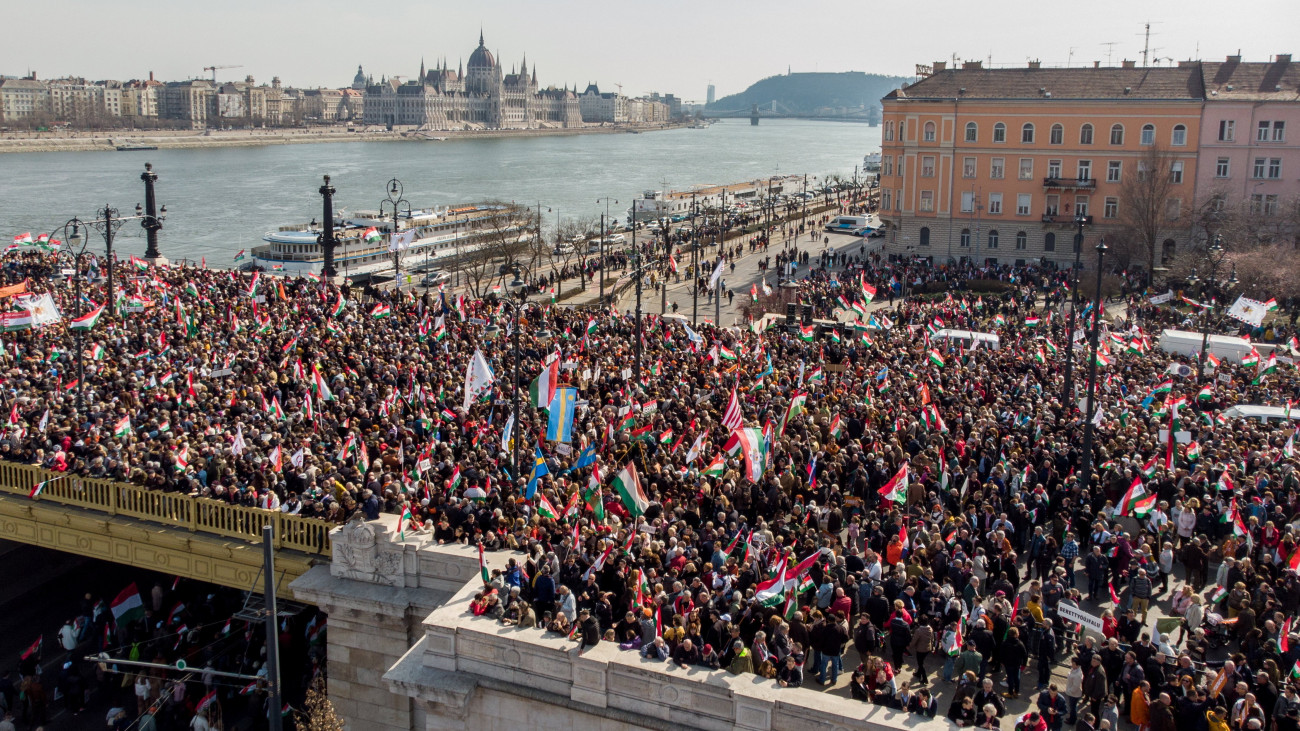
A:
(1250, 137)
(994, 165)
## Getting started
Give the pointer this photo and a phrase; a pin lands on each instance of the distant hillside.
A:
(831, 94)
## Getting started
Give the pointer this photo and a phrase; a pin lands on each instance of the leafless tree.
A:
(1144, 208)
(502, 241)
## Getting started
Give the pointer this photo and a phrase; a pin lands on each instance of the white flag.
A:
(297, 459)
(717, 274)
(238, 447)
(695, 449)
(506, 432)
(478, 378)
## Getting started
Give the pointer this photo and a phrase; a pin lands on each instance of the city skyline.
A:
(576, 43)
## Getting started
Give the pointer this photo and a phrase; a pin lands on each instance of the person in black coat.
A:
(962, 712)
(590, 630)
(1013, 657)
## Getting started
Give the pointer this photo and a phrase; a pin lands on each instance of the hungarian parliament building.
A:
(478, 96)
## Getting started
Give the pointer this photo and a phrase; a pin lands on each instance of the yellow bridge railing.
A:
(195, 514)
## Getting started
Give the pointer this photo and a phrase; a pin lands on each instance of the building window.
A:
(1261, 164)
(1049, 241)
(995, 202)
(1274, 168)
(1117, 134)
(1022, 241)
(998, 168)
(884, 199)
(927, 166)
(964, 241)
(1085, 134)
(927, 201)
(1027, 134)
(967, 202)
(968, 167)
(1262, 132)
(972, 132)
(1173, 208)
(1227, 130)
(1053, 169)
(1114, 171)
(1085, 170)
(1218, 203)
(887, 165)
(1148, 134)
(1053, 205)
(929, 132)
(925, 236)
(999, 132)
(1024, 203)
(1222, 168)
(1279, 131)
(1167, 250)
(1057, 135)
(1111, 208)
(889, 131)
(993, 239)
(1026, 168)
(1176, 172)
(1142, 170)
(901, 160)
(1081, 205)
(1179, 137)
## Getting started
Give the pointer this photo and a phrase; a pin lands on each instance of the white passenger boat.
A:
(369, 240)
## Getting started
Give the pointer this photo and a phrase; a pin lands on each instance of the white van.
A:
(1260, 413)
(986, 341)
(1224, 347)
(848, 225)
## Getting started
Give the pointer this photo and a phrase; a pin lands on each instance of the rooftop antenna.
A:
(1110, 50)
(1146, 42)
(1069, 58)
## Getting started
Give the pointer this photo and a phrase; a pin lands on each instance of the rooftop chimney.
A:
(967, 65)
(940, 66)
(1234, 59)
(1035, 64)
(151, 76)
(1283, 58)
(1096, 64)
(1129, 64)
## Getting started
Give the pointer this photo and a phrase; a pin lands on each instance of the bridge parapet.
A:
(191, 513)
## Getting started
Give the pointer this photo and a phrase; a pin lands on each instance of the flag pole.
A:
(275, 719)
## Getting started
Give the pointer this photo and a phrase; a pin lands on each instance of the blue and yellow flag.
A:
(539, 469)
(560, 426)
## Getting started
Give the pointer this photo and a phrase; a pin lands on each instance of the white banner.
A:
(1078, 616)
(401, 241)
(1248, 311)
(44, 311)
(1160, 299)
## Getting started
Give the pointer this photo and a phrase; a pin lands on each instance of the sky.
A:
(668, 46)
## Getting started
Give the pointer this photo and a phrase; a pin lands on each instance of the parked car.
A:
(435, 277)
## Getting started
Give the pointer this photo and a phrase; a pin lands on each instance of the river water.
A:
(221, 200)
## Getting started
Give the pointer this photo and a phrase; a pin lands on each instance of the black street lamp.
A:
(74, 251)
(151, 222)
(1211, 289)
(515, 307)
(1067, 395)
(600, 265)
(395, 203)
(108, 222)
(326, 238)
(1086, 467)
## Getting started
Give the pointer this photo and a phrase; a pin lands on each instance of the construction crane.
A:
(213, 69)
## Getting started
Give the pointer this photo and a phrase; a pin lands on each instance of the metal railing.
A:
(194, 514)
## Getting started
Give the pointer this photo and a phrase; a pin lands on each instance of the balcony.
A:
(1054, 217)
(1059, 182)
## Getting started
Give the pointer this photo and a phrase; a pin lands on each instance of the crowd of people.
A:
(755, 501)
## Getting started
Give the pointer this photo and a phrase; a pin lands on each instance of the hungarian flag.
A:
(806, 333)
(1114, 597)
(544, 507)
(896, 488)
(770, 593)
(753, 448)
(381, 310)
(371, 235)
(1205, 394)
(542, 390)
(1032, 321)
(1163, 387)
(204, 702)
(127, 607)
(1136, 499)
(954, 648)
(37, 488)
(716, 467)
(35, 649)
(628, 485)
(87, 321)
(482, 565)
(1148, 470)
(837, 429)
(935, 358)
(122, 428)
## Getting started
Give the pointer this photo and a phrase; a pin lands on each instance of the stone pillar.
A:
(375, 608)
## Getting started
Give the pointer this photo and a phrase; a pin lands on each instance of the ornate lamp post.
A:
(1086, 466)
(327, 239)
(1067, 395)
(395, 203)
(108, 221)
(600, 266)
(74, 252)
(1211, 287)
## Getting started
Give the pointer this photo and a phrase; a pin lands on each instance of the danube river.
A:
(222, 200)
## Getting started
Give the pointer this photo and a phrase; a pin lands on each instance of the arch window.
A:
(928, 132)
(925, 236)
(1148, 134)
(1179, 136)
(1049, 241)
(1022, 241)
(1057, 135)
(972, 132)
(1085, 134)
(1117, 134)
(1027, 134)
(965, 238)
(993, 239)
(999, 132)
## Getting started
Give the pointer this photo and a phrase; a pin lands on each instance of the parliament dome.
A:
(481, 57)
